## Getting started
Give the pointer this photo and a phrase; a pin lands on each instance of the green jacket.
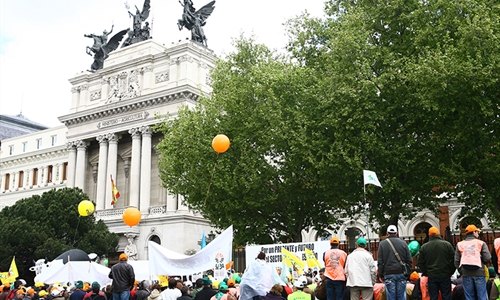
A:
(436, 258)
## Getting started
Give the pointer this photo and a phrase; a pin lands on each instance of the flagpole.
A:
(367, 217)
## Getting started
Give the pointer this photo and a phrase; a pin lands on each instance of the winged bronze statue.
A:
(194, 20)
(102, 47)
(139, 33)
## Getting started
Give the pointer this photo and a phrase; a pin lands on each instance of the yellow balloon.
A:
(85, 208)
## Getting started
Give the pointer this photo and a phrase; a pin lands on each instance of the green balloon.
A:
(105, 262)
(414, 247)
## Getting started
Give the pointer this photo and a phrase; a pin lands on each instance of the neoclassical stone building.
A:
(107, 132)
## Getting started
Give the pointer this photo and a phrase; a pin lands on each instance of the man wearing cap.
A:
(436, 261)
(470, 257)
(298, 292)
(42, 294)
(206, 292)
(360, 271)
(123, 278)
(334, 259)
(390, 269)
(78, 293)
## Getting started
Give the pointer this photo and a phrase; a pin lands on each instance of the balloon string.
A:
(211, 177)
(76, 230)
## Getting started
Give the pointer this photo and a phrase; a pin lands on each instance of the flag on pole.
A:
(371, 178)
(12, 274)
(114, 191)
(296, 262)
(203, 240)
(311, 259)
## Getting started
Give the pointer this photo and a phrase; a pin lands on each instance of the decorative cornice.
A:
(22, 161)
(156, 101)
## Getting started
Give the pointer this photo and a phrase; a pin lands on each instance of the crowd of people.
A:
(441, 272)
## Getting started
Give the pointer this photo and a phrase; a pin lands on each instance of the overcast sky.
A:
(42, 43)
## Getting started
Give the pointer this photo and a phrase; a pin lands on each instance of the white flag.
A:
(371, 178)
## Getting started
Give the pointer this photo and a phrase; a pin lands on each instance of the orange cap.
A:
(433, 231)
(334, 240)
(471, 228)
(123, 256)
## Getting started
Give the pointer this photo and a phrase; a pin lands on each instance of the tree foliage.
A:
(409, 90)
(45, 226)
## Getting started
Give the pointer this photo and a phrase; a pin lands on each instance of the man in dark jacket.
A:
(436, 262)
(390, 269)
(123, 278)
(78, 293)
(207, 292)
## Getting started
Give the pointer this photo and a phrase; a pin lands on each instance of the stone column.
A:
(84, 97)
(145, 169)
(71, 165)
(112, 166)
(13, 186)
(60, 172)
(147, 77)
(81, 163)
(171, 201)
(30, 183)
(75, 98)
(102, 178)
(27, 178)
(104, 88)
(135, 168)
(41, 178)
(4, 177)
(181, 206)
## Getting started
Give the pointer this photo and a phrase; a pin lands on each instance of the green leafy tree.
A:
(45, 226)
(265, 184)
(410, 90)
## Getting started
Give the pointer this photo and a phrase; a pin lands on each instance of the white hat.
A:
(392, 229)
(298, 284)
(188, 283)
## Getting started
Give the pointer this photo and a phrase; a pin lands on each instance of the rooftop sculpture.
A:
(194, 20)
(139, 33)
(101, 47)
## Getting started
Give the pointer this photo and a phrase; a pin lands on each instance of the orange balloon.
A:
(220, 143)
(131, 216)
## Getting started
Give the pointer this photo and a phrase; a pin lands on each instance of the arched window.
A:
(156, 239)
(421, 232)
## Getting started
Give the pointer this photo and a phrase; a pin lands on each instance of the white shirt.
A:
(360, 269)
(170, 294)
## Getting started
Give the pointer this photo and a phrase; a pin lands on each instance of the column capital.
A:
(70, 145)
(113, 137)
(146, 131)
(81, 144)
(135, 132)
(101, 139)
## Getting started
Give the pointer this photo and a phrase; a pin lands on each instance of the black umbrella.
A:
(74, 255)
